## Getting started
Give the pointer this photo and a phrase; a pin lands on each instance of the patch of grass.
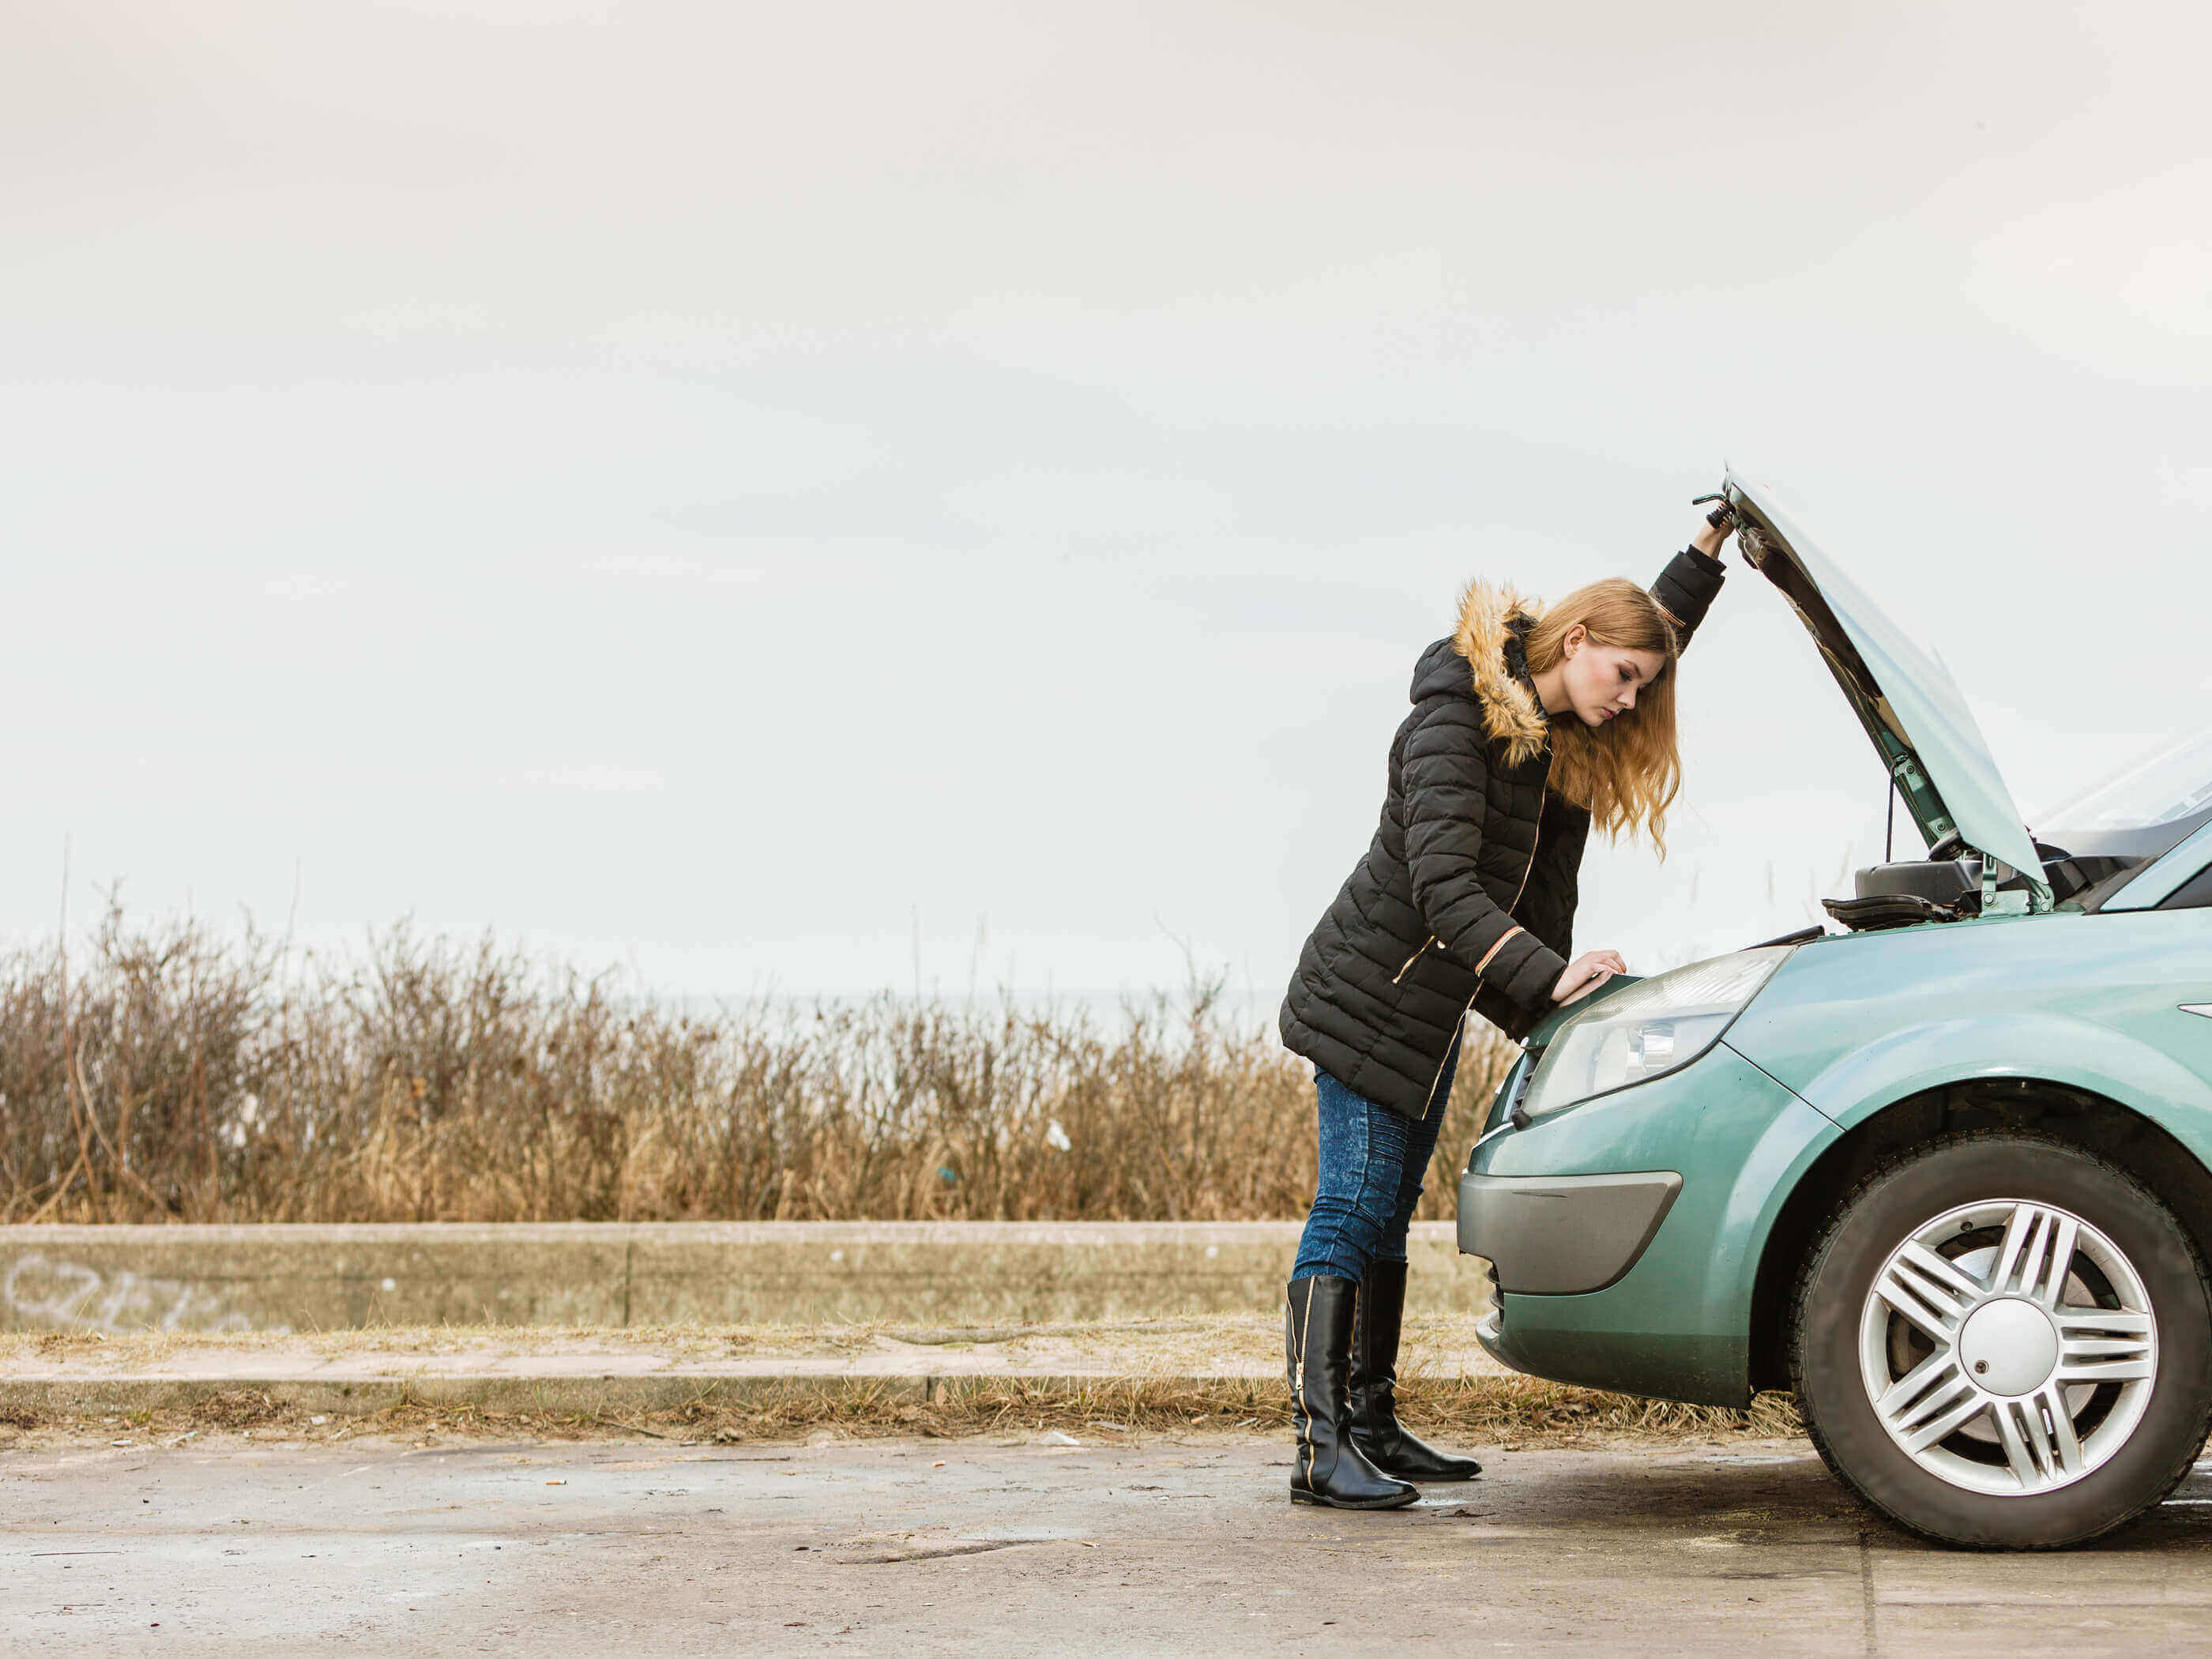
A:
(176, 1074)
(234, 1408)
(1518, 1409)
(1160, 1383)
(1519, 1412)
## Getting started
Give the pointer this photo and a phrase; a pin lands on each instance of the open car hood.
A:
(1910, 706)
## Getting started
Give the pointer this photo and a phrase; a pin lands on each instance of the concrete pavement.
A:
(1163, 1547)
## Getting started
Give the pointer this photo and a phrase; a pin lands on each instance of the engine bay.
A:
(2082, 871)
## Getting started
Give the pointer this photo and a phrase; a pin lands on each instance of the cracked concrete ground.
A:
(925, 1547)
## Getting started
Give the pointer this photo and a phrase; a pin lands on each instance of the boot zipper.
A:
(1413, 958)
(1431, 1099)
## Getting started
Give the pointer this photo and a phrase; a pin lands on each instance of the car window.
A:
(2195, 894)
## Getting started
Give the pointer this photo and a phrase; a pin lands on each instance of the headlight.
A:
(1649, 1029)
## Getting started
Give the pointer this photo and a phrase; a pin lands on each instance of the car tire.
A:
(2133, 1389)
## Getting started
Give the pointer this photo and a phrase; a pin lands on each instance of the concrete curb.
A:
(618, 1274)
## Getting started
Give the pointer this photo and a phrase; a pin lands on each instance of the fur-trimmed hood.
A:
(1465, 897)
(1483, 660)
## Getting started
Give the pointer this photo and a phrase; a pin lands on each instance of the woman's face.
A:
(1603, 681)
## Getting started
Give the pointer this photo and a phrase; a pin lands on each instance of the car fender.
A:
(2043, 1045)
(1769, 1176)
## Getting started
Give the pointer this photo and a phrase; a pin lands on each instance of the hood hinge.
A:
(2035, 902)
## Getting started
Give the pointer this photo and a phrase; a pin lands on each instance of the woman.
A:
(1528, 726)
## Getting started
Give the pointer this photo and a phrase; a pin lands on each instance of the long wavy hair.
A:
(1628, 771)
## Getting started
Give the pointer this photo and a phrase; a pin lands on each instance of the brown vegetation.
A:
(1519, 1412)
(181, 1075)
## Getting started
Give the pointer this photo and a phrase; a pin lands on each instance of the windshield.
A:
(2170, 781)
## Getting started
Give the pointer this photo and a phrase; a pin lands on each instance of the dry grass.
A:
(178, 1074)
(1159, 1384)
(1518, 1412)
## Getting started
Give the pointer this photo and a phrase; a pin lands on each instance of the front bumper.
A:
(1562, 1235)
(1625, 1232)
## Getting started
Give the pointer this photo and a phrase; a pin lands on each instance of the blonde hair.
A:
(1627, 772)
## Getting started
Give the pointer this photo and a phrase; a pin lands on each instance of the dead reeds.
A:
(178, 1073)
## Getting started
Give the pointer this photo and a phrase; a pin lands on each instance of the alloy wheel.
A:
(2009, 1347)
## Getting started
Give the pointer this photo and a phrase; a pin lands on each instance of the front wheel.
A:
(2006, 1342)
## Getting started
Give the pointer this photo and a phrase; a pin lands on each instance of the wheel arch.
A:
(2093, 1120)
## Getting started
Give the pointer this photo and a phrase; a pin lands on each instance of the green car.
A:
(1943, 1172)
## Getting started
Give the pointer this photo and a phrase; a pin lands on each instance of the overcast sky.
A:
(706, 485)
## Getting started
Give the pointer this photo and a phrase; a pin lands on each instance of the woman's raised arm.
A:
(1692, 581)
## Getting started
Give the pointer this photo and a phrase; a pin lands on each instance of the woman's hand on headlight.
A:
(1586, 973)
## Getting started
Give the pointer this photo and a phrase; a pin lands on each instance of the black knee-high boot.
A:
(1374, 1381)
(1317, 1341)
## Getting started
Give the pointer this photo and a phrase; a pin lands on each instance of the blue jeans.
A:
(1371, 1163)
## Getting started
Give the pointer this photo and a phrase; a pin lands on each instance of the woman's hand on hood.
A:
(1586, 973)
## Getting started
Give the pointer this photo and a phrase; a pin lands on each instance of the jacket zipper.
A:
(1534, 841)
(1413, 958)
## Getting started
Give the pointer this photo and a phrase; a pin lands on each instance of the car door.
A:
(2167, 913)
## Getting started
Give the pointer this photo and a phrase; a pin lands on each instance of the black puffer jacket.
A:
(1466, 899)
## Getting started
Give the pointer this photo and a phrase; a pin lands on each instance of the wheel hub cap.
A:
(2010, 1347)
